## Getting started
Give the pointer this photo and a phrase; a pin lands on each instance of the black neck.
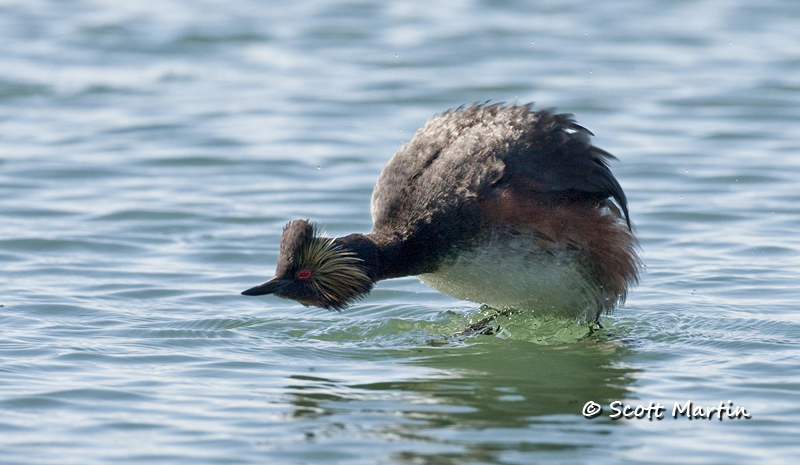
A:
(387, 257)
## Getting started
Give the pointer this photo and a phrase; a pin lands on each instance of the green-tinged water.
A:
(151, 152)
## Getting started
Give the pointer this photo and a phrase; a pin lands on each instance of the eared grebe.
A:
(494, 204)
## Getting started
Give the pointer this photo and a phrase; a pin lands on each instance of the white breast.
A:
(520, 272)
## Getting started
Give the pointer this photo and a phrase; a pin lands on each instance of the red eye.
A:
(303, 274)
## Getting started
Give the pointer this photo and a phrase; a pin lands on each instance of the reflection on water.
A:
(528, 325)
(481, 389)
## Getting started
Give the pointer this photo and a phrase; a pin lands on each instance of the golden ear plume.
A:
(337, 275)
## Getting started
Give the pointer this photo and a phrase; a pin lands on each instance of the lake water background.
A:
(151, 152)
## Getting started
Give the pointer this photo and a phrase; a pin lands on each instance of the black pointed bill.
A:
(269, 287)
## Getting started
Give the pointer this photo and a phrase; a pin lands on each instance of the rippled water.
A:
(150, 153)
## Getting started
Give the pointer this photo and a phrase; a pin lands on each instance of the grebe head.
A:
(315, 270)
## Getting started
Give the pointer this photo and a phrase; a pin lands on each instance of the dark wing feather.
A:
(466, 153)
(554, 155)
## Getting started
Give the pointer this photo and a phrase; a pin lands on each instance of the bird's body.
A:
(493, 204)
